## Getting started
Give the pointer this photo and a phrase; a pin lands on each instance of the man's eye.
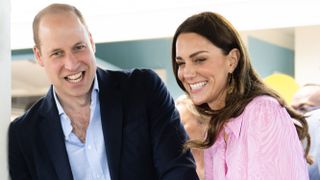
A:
(79, 47)
(55, 54)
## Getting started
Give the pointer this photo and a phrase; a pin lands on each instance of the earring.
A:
(231, 83)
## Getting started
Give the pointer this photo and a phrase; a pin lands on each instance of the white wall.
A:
(283, 37)
(307, 54)
(123, 20)
(5, 83)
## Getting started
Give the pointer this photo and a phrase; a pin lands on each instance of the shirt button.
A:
(97, 175)
(89, 147)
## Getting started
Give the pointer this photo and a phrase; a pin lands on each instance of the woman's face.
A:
(203, 69)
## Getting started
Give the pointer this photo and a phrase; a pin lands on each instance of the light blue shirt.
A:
(88, 160)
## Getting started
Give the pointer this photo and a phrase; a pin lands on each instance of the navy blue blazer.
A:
(141, 127)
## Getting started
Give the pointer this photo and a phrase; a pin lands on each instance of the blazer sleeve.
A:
(168, 134)
(17, 165)
(274, 149)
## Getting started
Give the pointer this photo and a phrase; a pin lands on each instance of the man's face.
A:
(67, 54)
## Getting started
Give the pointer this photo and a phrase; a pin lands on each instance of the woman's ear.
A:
(37, 55)
(233, 59)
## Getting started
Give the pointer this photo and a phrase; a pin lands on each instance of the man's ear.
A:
(92, 43)
(233, 59)
(37, 55)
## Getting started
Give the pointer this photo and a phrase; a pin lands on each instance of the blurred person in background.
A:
(307, 98)
(196, 126)
(307, 101)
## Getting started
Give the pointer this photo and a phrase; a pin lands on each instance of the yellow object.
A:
(284, 84)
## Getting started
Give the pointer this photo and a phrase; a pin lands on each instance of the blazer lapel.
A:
(51, 130)
(111, 117)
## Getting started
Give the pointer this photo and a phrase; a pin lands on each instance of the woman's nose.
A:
(189, 71)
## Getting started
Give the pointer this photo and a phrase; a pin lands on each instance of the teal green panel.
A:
(153, 54)
(21, 51)
(143, 53)
(22, 54)
(268, 58)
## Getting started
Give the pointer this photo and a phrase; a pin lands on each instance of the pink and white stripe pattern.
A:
(262, 144)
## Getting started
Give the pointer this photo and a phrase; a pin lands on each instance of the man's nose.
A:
(71, 62)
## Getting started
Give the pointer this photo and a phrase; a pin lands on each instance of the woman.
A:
(251, 133)
(196, 125)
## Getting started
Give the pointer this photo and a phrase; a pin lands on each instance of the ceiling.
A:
(121, 20)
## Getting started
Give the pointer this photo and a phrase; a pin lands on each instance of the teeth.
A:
(75, 77)
(197, 85)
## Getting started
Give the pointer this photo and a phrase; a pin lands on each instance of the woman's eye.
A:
(180, 63)
(199, 60)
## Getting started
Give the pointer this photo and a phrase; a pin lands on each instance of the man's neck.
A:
(74, 102)
(78, 111)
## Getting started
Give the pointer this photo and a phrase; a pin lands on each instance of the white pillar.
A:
(307, 54)
(5, 83)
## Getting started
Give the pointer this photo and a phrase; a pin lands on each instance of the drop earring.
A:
(231, 83)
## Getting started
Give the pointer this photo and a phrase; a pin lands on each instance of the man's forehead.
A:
(307, 93)
(315, 97)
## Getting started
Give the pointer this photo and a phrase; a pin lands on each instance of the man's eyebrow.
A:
(54, 50)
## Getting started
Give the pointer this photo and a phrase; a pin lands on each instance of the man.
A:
(94, 124)
(307, 101)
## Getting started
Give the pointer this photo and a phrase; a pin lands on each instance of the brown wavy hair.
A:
(246, 85)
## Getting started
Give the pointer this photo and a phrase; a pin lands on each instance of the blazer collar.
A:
(111, 109)
(51, 131)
